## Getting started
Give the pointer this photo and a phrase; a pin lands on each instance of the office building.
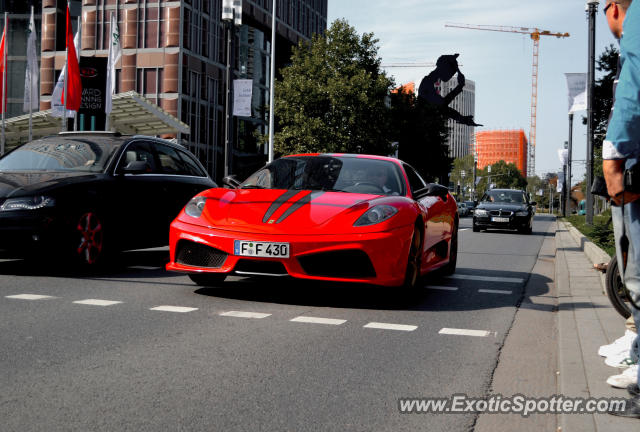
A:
(460, 140)
(507, 145)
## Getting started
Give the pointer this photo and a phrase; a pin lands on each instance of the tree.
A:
(421, 132)
(603, 100)
(503, 175)
(460, 165)
(333, 97)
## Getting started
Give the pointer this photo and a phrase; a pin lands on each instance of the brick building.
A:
(174, 55)
(507, 145)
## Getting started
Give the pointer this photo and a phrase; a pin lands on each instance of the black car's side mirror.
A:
(231, 181)
(136, 167)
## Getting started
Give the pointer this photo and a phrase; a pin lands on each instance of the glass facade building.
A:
(174, 54)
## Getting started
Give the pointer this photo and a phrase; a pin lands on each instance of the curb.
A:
(595, 254)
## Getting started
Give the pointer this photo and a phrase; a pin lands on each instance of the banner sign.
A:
(93, 71)
(563, 155)
(242, 91)
(577, 84)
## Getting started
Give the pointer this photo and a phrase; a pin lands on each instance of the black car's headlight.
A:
(480, 212)
(522, 213)
(195, 206)
(377, 214)
(27, 203)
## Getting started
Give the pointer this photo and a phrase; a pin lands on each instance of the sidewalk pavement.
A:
(586, 320)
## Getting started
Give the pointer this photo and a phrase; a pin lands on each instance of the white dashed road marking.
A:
(317, 320)
(463, 229)
(240, 314)
(443, 288)
(179, 309)
(97, 302)
(486, 278)
(29, 297)
(387, 326)
(464, 332)
(491, 291)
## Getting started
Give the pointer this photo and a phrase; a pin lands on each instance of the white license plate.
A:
(260, 249)
(499, 219)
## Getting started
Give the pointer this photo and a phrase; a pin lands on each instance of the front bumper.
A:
(22, 232)
(514, 222)
(386, 251)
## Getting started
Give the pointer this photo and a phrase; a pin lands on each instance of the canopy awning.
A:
(132, 114)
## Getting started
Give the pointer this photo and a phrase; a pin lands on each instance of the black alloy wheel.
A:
(412, 274)
(450, 268)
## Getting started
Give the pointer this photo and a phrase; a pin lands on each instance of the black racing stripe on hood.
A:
(277, 203)
(298, 204)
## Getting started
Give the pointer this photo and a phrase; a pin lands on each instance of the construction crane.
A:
(535, 34)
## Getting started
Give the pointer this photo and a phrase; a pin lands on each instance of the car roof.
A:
(350, 155)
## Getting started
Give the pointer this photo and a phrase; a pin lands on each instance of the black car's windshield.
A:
(59, 154)
(505, 197)
(330, 173)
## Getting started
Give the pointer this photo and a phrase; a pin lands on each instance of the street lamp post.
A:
(592, 9)
(231, 17)
(272, 80)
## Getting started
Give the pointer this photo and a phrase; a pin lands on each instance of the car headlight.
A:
(522, 213)
(195, 206)
(27, 203)
(377, 214)
(480, 212)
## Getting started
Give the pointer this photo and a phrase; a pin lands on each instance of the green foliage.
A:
(421, 131)
(601, 232)
(332, 97)
(463, 164)
(503, 175)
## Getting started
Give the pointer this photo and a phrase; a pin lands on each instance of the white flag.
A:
(31, 92)
(57, 107)
(115, 52)
(577, 83)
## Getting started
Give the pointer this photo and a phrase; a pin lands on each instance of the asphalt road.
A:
(96, 366)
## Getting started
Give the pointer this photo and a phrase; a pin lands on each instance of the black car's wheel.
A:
(412, 274)
(208, 279)
(88, 239)
(615, 290)
(450, 268)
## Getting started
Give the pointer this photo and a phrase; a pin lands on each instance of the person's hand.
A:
(461, 79)
(468, 120)
(613, 170)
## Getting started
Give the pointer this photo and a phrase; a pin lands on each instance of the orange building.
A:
(507, 145)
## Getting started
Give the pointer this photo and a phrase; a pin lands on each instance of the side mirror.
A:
(432, 189)
(533, 203)
(136, 167)
(231, 181)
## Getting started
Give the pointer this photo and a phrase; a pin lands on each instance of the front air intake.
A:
(346, 264)
(198, 255)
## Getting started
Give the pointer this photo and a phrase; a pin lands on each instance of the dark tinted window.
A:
(415, 181)
(508, 197)
(59, 154)
(138, 151)
(191, 165)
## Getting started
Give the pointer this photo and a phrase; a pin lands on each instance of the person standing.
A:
(621, 151)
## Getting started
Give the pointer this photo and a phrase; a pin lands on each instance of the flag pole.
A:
(4, 81)
(79, 50)
(31, 89)
(272, 81)
(107, 124)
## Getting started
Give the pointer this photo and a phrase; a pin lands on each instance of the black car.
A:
(83, 195)
(504, 209)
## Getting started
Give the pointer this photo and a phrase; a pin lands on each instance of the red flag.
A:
(2, 71)
(74, 84)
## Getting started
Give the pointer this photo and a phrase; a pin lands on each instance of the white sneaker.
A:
(621, 361)
(622, 342)
(625, 379)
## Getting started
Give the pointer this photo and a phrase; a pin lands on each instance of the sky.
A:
(500, 63)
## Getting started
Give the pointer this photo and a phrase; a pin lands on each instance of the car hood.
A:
(275, 211)
(502, 206)
(36, 182)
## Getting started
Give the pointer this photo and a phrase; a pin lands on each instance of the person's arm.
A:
(613, 170)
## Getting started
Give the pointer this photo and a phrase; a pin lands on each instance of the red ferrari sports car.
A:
(331, 217)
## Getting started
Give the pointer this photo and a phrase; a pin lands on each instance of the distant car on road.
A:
(504, 209)
(463, 210)
(471, 205)
(330, 217)
(81, 195)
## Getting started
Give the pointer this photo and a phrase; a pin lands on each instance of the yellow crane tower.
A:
(535, 36)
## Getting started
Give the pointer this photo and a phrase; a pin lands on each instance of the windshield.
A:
(330, 173)
(508, 197)
(59, 154)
